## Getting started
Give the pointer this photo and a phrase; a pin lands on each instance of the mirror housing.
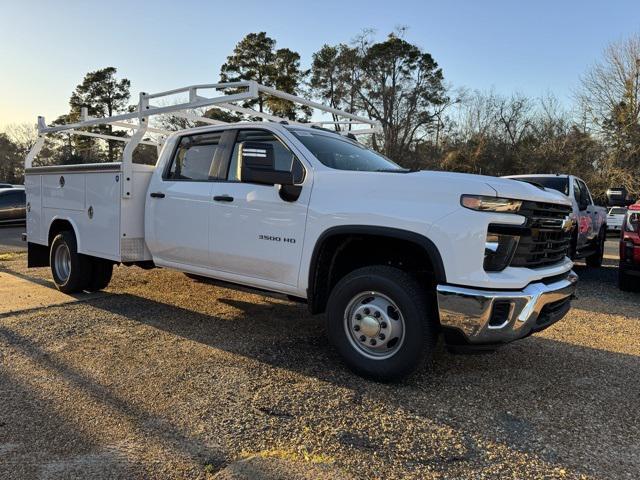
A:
(258, 165)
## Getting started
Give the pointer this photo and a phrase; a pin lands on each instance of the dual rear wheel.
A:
(74, 272)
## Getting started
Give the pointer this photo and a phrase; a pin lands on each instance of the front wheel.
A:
(595, 259)
(379, 320)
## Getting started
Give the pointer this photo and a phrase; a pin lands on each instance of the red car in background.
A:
(629, 270)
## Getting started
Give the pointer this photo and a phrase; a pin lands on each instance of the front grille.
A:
(544, 242)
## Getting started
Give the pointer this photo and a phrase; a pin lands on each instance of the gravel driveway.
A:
(166, 377)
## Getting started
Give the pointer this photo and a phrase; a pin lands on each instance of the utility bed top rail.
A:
(242, 91)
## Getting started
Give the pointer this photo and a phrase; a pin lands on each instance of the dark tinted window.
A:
(561, 184)
(193, 159)
(342, 153)
(10, 199)
(5, 201)
(584, 191)
(284, 159)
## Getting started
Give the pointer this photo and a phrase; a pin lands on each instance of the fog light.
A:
(498, 251)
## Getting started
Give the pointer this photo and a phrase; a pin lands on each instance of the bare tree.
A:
(615, 79)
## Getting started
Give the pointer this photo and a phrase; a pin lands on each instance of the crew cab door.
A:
(177, 210)
(253, 231)
(586, 230)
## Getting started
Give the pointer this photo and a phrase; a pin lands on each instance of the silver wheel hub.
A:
(374, 325)
(62, 262)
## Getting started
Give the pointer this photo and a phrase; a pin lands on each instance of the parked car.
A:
(6, 185)
(12, 206)
(618, 197)
(615, 218)
(629, 267)
(590, 230)
(393, 256)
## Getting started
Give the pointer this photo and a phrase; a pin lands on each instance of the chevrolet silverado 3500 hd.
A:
(393, 257)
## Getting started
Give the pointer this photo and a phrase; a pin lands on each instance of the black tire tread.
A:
(375, 369)
(80, 275)
(595, 259)
(101, 273)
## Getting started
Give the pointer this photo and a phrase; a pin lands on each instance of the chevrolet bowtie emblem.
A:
(567, 223)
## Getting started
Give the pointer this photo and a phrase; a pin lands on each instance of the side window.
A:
(5, 200)
(586, 194)
(285, 160)
(576, 191)
(13, 198)
(193, 158)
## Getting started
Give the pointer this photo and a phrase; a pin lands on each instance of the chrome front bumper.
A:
(471, 311)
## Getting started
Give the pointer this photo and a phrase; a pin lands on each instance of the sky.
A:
(531, 47)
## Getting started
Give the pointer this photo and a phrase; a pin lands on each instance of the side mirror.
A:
(258, 165)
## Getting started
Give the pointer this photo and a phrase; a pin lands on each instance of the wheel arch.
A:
(319, 286)
(60, 224)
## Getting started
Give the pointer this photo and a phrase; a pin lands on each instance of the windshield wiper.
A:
(394, 170)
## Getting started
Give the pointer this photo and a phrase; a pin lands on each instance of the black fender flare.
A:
(422, 241)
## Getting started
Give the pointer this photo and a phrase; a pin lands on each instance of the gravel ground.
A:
(166, 377)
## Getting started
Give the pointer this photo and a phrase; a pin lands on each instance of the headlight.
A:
(490, 204)
(498, 251)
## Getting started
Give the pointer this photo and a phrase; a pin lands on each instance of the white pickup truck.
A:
(393, 257)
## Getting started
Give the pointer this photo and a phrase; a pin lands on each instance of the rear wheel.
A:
(71, 271)
(101, 272)
(595, 259)
(379, 321)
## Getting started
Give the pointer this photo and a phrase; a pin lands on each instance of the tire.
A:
(595, 259)
(403, 314)
(71, 271)
(101, 272)
(625, 281)
(573, 245)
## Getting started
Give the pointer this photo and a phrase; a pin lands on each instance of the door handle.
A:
(157, 195)
(223, 198)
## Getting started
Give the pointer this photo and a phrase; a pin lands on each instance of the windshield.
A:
(617, 211)
(342, 153)
(561, 184)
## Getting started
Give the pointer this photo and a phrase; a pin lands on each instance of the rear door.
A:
(253, 231)
(591, 211)
(179, 202)
(12, 206)
(5, 207)
(585, 222)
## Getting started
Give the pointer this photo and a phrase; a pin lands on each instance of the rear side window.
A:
(193, 158)
(284, 159)
(10, 199)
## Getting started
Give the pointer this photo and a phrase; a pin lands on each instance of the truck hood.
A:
(503, 187)
(508, 188)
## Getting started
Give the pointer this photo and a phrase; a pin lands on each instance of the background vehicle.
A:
(12, 206)
(392, 256)
(7, 185)
(615, 218)
(629, 267)
(618, 197)
(590, 231)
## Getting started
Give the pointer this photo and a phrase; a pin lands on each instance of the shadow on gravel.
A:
(598, 291)
(518, 396)
(152, 425)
